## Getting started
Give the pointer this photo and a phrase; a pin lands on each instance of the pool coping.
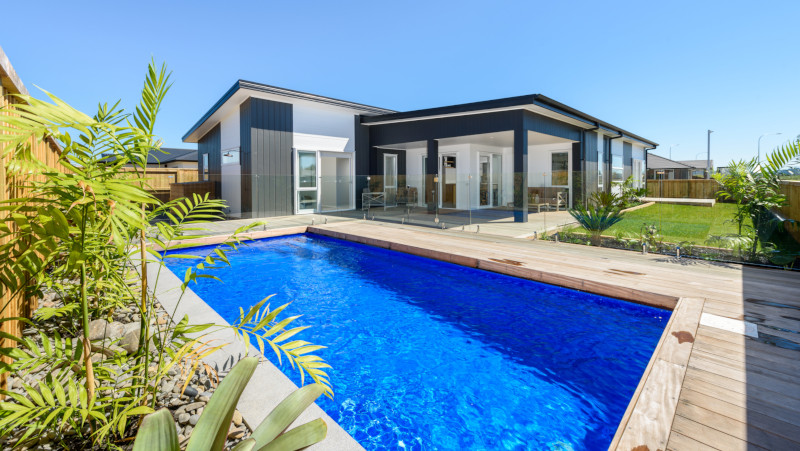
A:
(268, 386)
(647, 421)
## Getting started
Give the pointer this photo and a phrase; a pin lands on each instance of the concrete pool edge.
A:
(269, 385)
(648, 418)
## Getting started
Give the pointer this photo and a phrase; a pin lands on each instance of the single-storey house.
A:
(272, 151)
(170, 157)
(660, 168)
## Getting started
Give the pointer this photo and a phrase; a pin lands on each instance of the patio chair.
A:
(560, 200)
(373, 199)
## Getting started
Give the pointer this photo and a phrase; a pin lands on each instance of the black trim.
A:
(508, 102)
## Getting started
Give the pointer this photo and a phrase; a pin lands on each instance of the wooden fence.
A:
(178, 190)
(159, 180)
(47, 152)
(792, 211)
(683, 189)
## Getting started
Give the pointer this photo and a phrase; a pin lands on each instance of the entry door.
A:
(448, 182)
(489, 179)
(390, 178)
(306, 187)
(484, 180)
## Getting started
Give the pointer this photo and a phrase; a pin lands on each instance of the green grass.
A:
(678, 223)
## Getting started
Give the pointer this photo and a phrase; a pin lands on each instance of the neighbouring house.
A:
(170, 157)
(660, 168)
(271, 151)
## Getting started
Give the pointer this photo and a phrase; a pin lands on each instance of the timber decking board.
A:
(735, 393)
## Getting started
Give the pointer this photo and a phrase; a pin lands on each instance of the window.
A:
(307, 169)
(600, 164)
(617, 170)
(205, 166)
(638, 173)
(560, 168)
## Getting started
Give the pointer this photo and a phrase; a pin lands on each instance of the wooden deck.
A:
(707, 387)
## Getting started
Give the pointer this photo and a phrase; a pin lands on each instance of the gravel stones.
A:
(183, 418)
(190, 391)
(237, 418)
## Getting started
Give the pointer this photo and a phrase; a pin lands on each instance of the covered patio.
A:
(511, 156)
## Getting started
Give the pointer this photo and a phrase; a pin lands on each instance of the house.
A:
(271, 151)
(660, 168)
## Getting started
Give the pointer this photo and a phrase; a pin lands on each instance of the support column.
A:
(520, 175)
(431, 172)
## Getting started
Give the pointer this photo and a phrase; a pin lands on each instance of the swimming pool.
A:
(431, 355)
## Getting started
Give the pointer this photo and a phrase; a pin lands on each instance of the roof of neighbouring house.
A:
(168, 155)
(657, 162)
(698, 164)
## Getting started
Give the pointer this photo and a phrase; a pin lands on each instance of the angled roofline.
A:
(506, 103)
(269, 89)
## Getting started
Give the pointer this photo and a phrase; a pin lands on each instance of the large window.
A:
(617, 170)
(560, 168)
(600, 165)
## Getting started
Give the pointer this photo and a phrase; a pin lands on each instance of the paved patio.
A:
(498, 222)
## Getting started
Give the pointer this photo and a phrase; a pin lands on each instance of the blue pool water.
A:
(430, 355)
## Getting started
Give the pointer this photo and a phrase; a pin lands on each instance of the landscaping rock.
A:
(193, 406)
(130, 341)
(191, 392)
(194, 419)
(237, 417)
(101, 329)
(183, 418)
(236, 433)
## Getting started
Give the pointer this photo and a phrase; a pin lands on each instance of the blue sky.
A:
(665, 70)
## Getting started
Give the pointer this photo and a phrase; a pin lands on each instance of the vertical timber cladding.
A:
(266, 157)
(211, 144)
(627, 156)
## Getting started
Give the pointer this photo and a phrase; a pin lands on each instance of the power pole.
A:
(708, 156)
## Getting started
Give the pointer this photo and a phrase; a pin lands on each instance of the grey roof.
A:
(168, 155)
(172, 154)
(657, 162)
(699, 164)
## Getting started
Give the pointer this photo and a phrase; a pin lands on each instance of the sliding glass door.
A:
(390, 178)
(324, 181)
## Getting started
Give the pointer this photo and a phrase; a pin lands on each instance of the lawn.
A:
(678, 223)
